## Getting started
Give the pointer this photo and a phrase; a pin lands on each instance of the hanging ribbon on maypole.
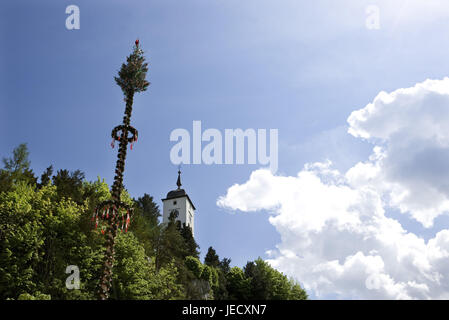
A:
(115, 213)
(108, 209)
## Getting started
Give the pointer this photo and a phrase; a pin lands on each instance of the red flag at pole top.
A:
(137, 42)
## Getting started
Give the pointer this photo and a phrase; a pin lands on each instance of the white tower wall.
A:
(185, 209)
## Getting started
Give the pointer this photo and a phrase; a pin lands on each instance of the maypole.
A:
(131, 78)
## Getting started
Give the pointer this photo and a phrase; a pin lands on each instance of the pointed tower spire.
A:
(178, 183)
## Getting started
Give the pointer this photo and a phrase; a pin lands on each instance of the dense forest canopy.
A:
(45, 226)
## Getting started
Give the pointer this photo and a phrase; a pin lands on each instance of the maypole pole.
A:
(131, 78)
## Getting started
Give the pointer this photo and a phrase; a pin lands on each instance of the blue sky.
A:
(296, 66)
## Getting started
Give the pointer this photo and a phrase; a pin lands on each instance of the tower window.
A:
(174, 202)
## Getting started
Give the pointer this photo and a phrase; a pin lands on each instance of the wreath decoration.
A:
(108, 209)
(117, 134)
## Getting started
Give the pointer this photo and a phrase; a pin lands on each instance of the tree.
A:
(171, 244)
(194, 265)
(145, 224)
(239, 287)
(46, 176)
(19, 161)
(21, 242)
(148, 209)
(296, 292)
(37, 296)
(190, 243)
(211, 258)
(204, 279)
(225, 265)
(223, 269)
(135, 275)
(40, 236)
(69, 184)
(266, 283)
(16, 168)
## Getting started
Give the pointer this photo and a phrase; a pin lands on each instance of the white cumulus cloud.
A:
(411, 161)
(336, 235)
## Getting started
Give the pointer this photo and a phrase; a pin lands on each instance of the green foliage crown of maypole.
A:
(132, 73)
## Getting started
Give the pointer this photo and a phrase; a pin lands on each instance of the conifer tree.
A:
(191, 245)
(46, 176)
(148, 209)
(211, 258)
(16, 168)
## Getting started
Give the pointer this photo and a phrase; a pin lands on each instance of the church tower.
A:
(178, 201)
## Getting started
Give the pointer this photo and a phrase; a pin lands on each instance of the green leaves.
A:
(195, 266)
(36, 296)
(238, 285)
(135, 275)
(266, 283)
(16, 169)
(131, 77)
(41, 236)
(211, 258)
(19, 161)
